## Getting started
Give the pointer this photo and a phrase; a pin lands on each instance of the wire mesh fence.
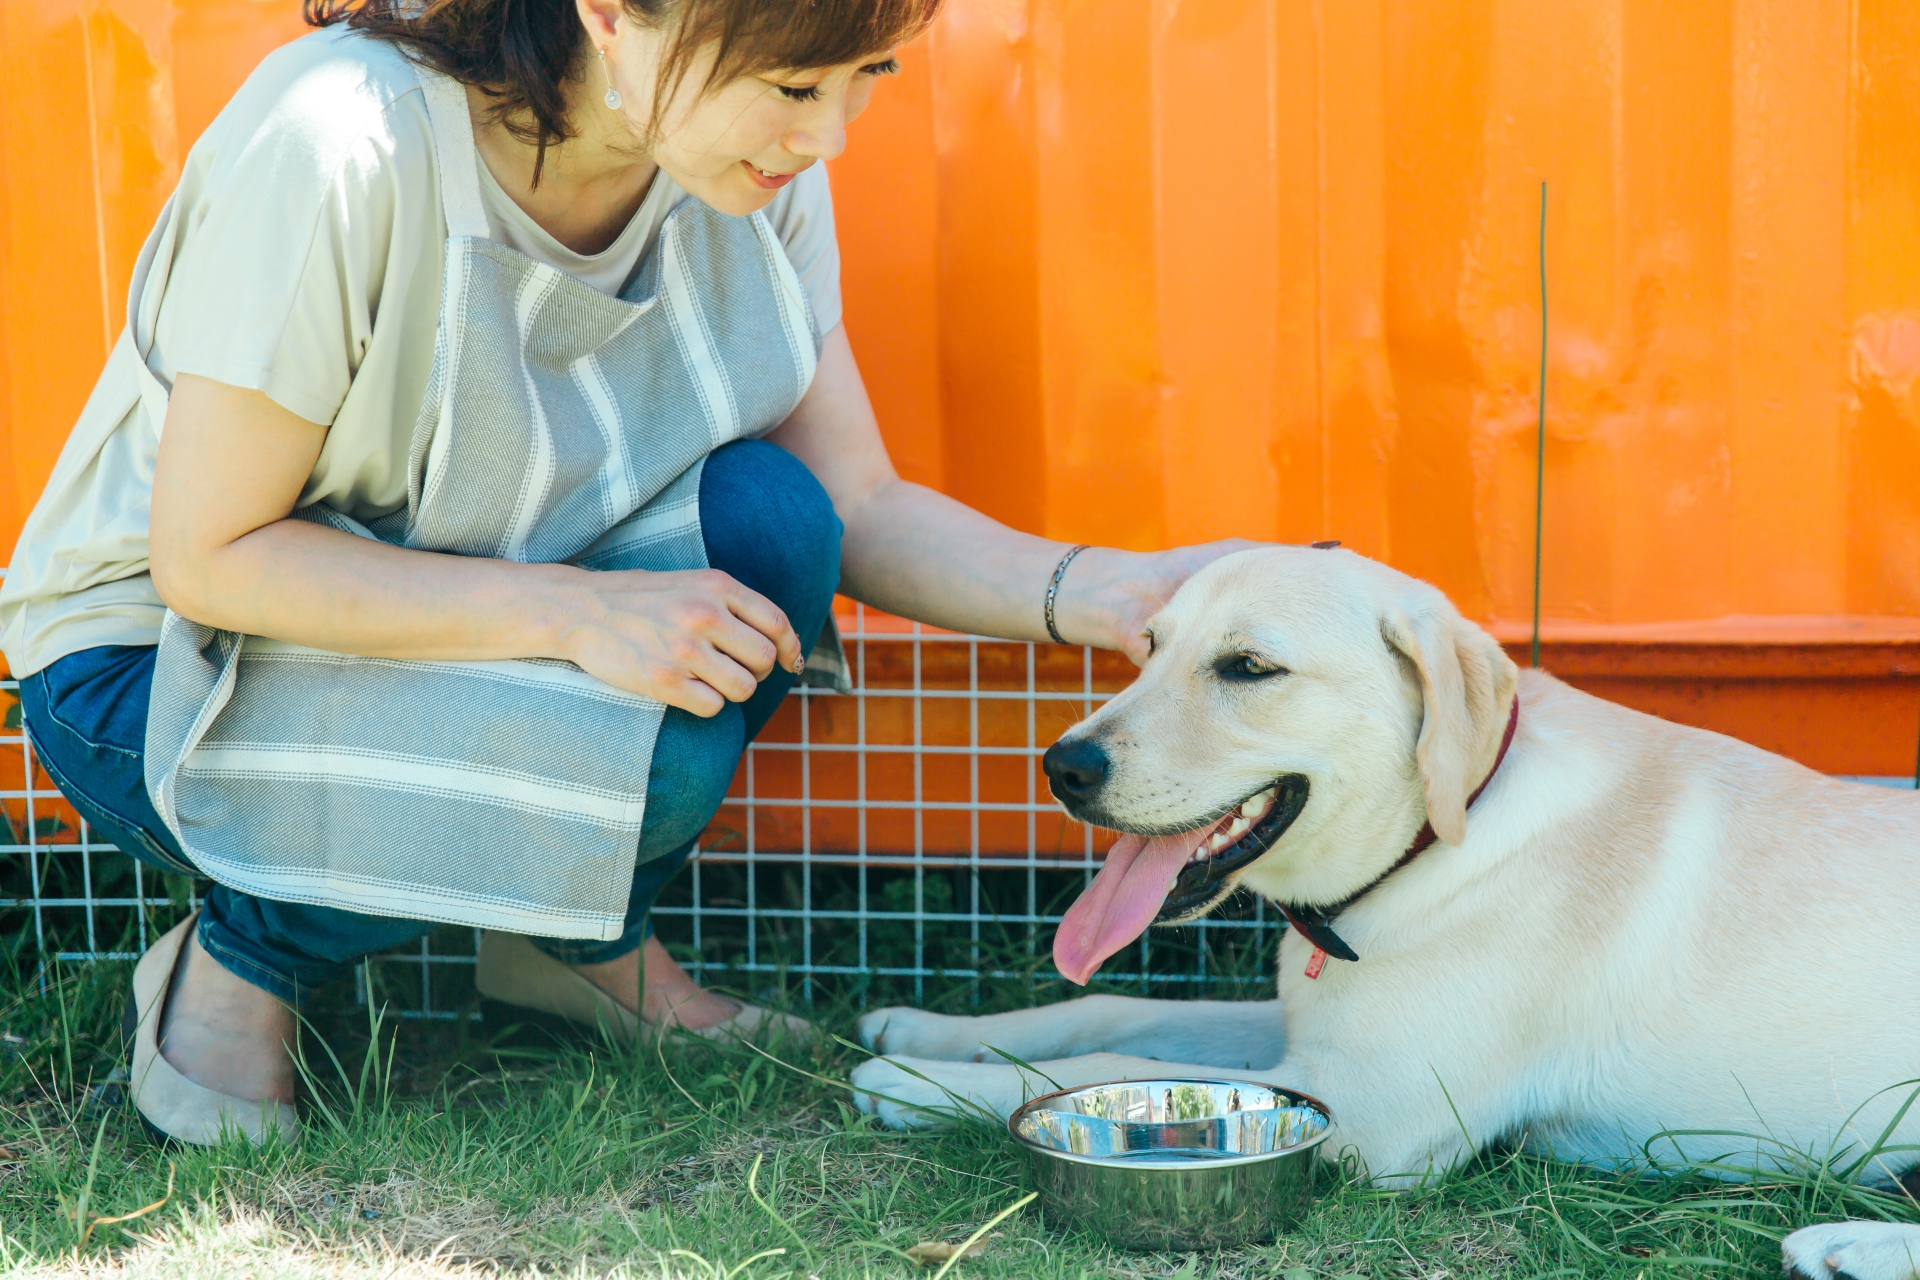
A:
(894, 842)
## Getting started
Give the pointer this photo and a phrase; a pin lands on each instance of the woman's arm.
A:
(920, 554)
(223, 552)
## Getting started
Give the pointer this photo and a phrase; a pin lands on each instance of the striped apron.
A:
(559, 426)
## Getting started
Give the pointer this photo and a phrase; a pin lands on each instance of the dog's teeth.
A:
(1237, 828)
(1257, 807)
(1219, 841)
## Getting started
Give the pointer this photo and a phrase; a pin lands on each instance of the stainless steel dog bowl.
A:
(1174, 1164)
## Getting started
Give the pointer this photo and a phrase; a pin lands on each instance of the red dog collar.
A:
(1316, 923)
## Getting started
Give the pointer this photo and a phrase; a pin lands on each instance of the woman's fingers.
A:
(718, 670)
(752, 649)
(766, 619)
(740, 624)
(744, 650)
(695, 640)
(711, 676)
(692, 696)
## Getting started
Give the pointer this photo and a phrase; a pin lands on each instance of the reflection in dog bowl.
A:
(1174, 1164)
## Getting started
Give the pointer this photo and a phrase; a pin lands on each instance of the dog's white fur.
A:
(1641, 928)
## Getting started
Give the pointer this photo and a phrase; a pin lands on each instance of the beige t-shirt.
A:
(306, 259)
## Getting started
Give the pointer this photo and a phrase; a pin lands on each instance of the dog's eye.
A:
(1246, 666)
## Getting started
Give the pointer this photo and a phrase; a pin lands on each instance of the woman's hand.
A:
(696, 640)
(1118, 592)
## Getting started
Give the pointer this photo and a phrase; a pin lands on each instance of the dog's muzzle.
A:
(1204, 882)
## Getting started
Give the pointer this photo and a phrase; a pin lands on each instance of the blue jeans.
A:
(766, 521)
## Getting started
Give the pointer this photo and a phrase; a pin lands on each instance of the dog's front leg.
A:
(1407, 1120)
(1237, 1035)
(920, 1093)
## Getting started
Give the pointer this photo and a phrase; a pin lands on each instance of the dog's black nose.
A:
(1075, 768)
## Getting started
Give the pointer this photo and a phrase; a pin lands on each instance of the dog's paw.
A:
(1852, 1251)
(919, 1093)
(919, 1034)
(901, 1099)
(874, 1026)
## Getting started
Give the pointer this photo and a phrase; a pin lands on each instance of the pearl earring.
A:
(613, 94)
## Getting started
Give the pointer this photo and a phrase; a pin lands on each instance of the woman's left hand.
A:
(1118, 592)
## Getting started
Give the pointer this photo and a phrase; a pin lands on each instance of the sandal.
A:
(512, 971)
(174, 1108)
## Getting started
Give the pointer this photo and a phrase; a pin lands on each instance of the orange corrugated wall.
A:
(1139, 271)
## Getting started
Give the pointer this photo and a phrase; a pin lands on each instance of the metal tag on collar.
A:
(1317, 930)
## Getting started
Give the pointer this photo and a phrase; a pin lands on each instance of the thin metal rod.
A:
(1540, 444)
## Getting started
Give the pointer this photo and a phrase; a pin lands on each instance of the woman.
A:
(512, 453)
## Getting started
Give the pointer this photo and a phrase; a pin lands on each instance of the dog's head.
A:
(1302, 713)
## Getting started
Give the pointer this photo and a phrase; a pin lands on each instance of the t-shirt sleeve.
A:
(802, 216)
(288, 219)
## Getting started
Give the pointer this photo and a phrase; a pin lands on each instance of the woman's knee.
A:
(768, 522)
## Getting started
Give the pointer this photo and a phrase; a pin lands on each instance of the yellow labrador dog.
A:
(1520, 912)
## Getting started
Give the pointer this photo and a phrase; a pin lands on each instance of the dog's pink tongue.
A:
(1121, 902)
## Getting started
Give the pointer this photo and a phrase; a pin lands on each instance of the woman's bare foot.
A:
(671, 996)
(223, 1033)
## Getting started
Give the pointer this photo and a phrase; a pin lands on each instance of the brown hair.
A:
(520, 52)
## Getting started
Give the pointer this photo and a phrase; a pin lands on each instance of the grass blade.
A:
(753, 1190)
(985, 1227)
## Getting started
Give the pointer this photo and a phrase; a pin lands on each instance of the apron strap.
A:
(454, 151)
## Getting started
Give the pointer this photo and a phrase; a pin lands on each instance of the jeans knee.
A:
(768, 522)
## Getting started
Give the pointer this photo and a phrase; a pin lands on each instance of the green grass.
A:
(430, 1150)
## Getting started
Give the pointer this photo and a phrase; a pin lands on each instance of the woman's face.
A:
(737, 145)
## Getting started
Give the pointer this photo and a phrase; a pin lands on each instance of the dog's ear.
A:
(1467, 684)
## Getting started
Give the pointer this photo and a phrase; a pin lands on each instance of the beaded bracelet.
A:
(1053, 589)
